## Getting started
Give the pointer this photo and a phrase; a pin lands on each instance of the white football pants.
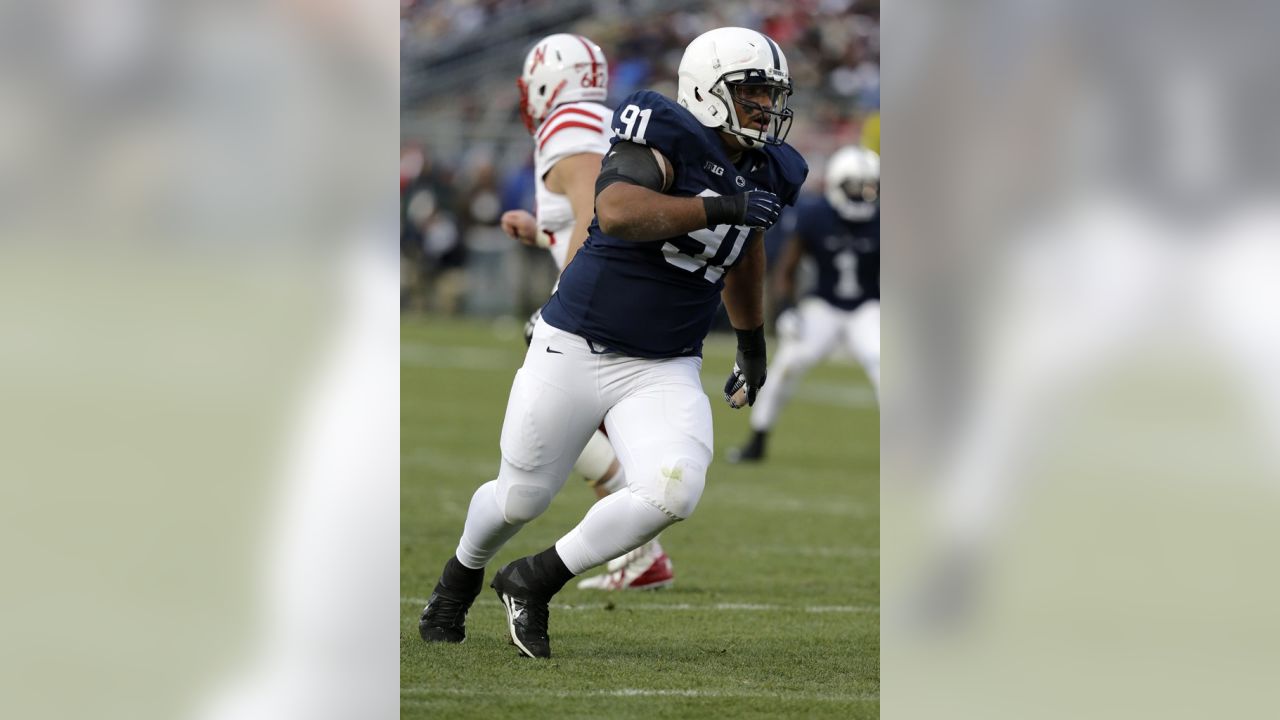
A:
(659, 423)
(822, 329)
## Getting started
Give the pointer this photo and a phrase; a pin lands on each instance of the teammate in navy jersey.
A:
(682, 198)
(840, 232)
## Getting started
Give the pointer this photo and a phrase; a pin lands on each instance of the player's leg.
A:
(862, 336)
(551, 412)
(597, 463)
(645, 568)
(599, 466)
(812, 339)
(661, 430)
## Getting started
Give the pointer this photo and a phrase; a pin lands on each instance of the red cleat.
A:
(645, 568)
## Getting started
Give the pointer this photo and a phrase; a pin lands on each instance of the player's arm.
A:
(743, 297)
(784, 278)
(575, 177)
(522, 226)
(743, 293)
(631, 204)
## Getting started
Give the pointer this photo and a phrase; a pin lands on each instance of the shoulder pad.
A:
(648, 118)
(571, 129)
(792, 170)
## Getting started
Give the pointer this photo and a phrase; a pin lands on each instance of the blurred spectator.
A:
(871, 133)
(431, 251)
(832, 47)
(518, 188)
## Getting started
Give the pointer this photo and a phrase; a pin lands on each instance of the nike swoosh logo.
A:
(557, 352)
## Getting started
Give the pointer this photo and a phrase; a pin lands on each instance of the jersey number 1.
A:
(628, 116)
(846, 263)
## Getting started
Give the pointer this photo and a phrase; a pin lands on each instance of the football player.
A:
(841, 233)
(565, 78)
(681, 201)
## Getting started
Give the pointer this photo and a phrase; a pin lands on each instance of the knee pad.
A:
(523, 495)
(523, 503)
(674, 486)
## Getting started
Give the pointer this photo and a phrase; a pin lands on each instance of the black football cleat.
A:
(526, 617)
(752, 451)
(445, 616)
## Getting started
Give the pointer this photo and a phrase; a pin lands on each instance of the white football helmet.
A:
(716, 68)
(853, 182)
(561, 68)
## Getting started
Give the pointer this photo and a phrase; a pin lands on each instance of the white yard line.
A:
(811, 391)
(762, 503)
(457, 357)
(824, 393)
(483, 358)
(686, 607)
(633, 692)
(810, 551)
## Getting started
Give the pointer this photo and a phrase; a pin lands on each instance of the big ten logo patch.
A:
(713, 169)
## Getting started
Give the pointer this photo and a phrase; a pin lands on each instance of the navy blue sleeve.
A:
(791, 172)
(648, 118)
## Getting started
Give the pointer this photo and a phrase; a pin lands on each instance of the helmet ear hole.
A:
(542, 90)
(697, 94)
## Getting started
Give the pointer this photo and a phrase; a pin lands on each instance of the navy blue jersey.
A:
(846, 252)
(658, 299)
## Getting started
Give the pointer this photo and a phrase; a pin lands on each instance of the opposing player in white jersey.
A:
(682, 199)
(562, 86)
(840, 232)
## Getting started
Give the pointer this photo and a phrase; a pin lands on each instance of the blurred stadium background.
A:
(188, 347)
(466, 158)
(201, 352)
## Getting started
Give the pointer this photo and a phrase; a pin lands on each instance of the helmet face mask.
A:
(543, 97)
(746, 88)
(853, 183)
(736, 80)
(867, 191)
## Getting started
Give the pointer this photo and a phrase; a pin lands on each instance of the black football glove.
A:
(753, 208)
(749, 371)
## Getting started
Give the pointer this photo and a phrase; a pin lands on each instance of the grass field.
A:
(775, 609)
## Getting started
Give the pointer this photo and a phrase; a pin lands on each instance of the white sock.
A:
(613, 527)
(486, 530)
